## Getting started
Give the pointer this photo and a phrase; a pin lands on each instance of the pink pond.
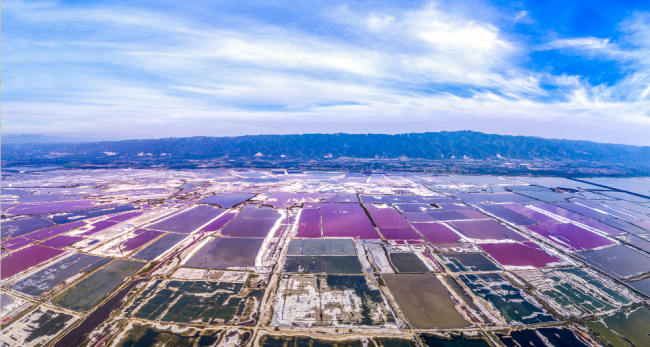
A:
(570, 236)
(22, 260)
(519, 254)
(140, 237)
(218, 223)
(346, 220)
(534, 215)
(561, 212)
(286, 199)
(99, 226)
(6, 205)
(309, 223)
(486, 229)
(387, 217)
(61, 241)
(124, 216)
(49, 232)
(437, 233)
(601, 227)
(399, 233)
(54, 207)
(16, 243)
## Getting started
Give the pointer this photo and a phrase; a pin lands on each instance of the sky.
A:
(111, 70)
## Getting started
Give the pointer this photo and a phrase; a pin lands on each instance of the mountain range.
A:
(431, 145)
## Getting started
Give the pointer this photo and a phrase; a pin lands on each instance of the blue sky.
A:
(123, 69)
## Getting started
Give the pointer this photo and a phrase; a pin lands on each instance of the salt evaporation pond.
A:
(443, 216)
(218, 223)
(520, 254)
(437, 232)
(53, 207)
(124, 216)
(408, 263)
(583, 210)
(561, 212)
(188, 220)
(531, 214)
(61, 241)
(406, 233)
(139, 238)
(52, 231)
(506, 298)
(624, 226)
(570, 236)
(346, 220)
(159, 246)
(405, 199)
(286, 199)
(425, 301)
(16, 243)
(386, 217)
(24, 226)
(54, 274)
(453, 341)
(67, 217)
(507, 215)
(248, 227)
(25, 258)
(252, 211)
(602, 227)
(464, 262)
(309, 223)
(322, 247)
(619, 261)
(227, 200)
(486, 230)
(477, 198)
(222, 253)
(98, 226)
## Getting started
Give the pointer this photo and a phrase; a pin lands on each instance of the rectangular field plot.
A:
(578, 292)
(24, 226)
(253, 211)
(619, 261)
(513, 305)
(464, 262)
(227, 200)
(309, 223)
(123, 245)
(518, 255)
(507, 215)
(400, 233)
(138, 334)
(55, 274)
(346, 220)
(159, 246)
(322, 247)
(531, 214)
(248, 227)
(619, 328)
(25, 258)
(198, 301)
(537, 337)
(37, 328)
(223, 253)
(411, 263)
(323, 264)
(189, 220)
(386, 216)
(570, 236)
(322, 300)
(437, 232)
(425, 301)
(486, 230)
(90, 291)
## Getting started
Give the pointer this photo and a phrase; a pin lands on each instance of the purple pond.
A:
(570, 236)
(534, 215)
(486, 230)
(346, 220)
(519, 254)
(53, 207)
(16, 243)
(61, 241)
(399, 234)
(561, 212)
(59, 229)
(387, 217)
(140, 237)
(98, 226)
(437, 232)
(23, 259)
(309, 223)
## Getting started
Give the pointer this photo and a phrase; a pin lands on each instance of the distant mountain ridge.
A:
(432, 145)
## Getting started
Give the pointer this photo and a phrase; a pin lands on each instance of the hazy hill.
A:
(442, 145)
